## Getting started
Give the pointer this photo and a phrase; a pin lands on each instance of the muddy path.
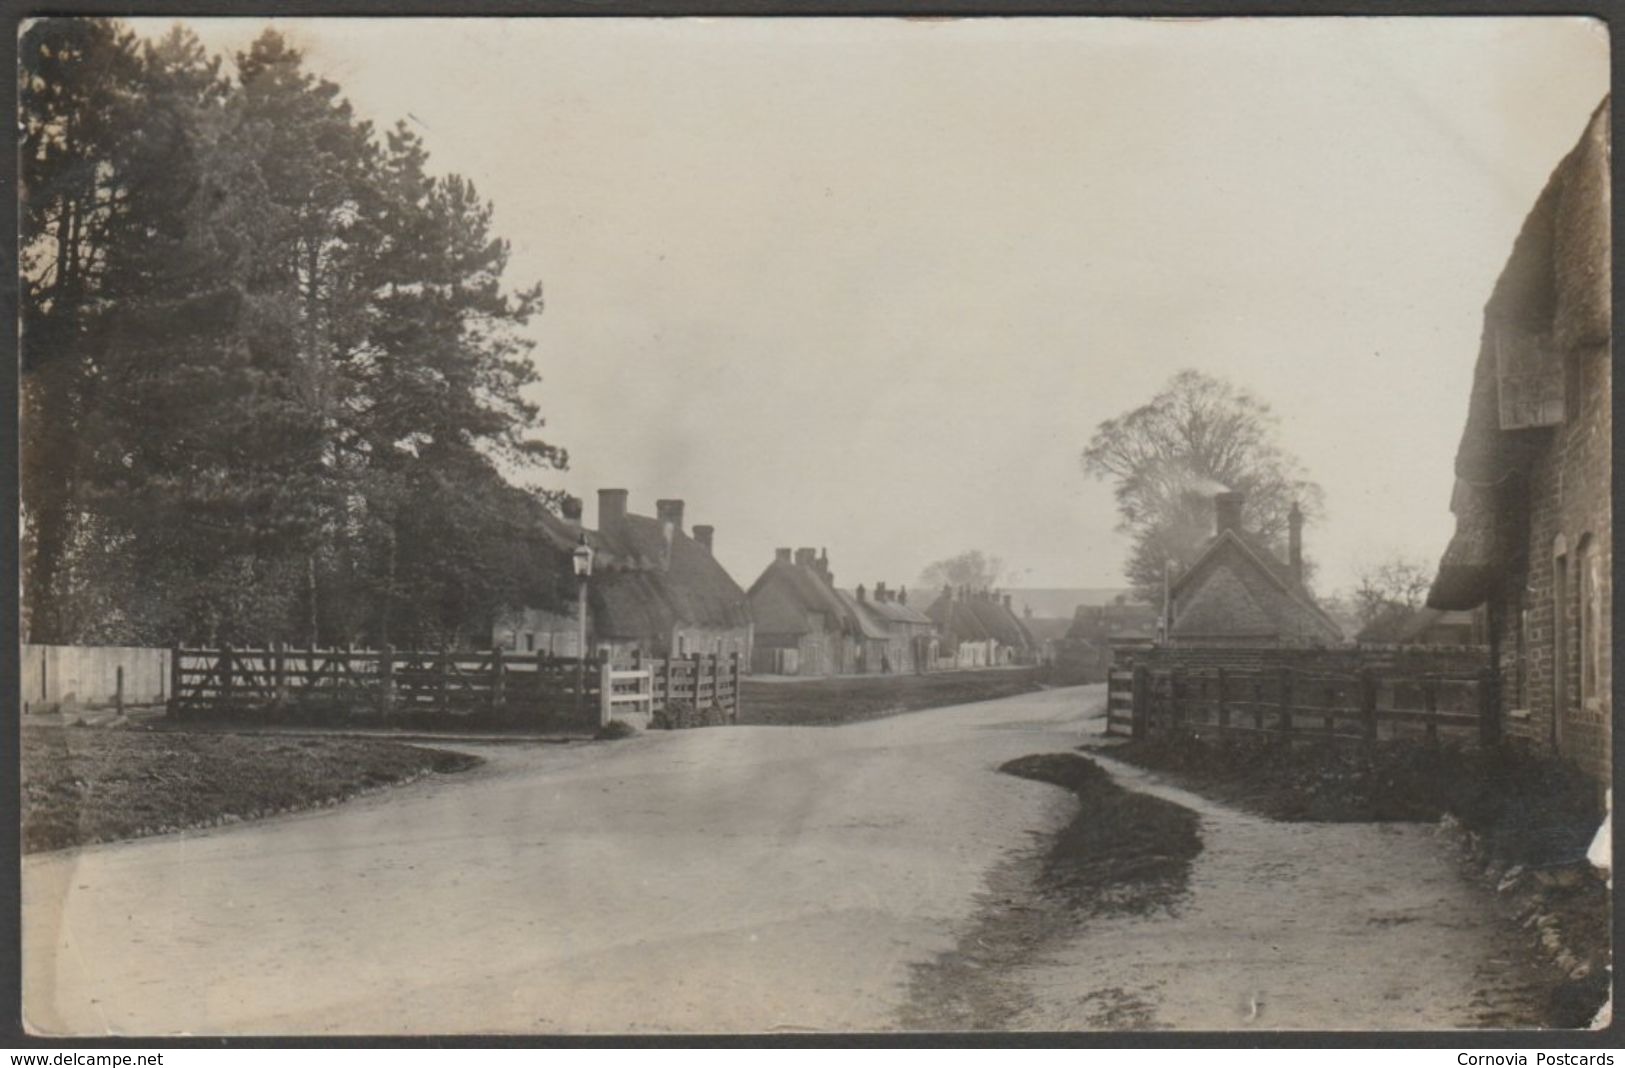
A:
(1292, 926)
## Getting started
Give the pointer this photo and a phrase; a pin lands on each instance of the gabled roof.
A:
(863, 621)
(637, 591)
(1223, 603)
(1552, 298)
(976, 618)
(786, 593)
(896, 612)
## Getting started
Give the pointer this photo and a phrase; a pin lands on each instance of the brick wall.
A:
(1568, 509)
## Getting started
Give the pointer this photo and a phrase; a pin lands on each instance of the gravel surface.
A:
(735, 879)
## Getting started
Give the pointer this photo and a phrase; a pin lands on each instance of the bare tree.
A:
(1394, 586)
(972, 568)
(1198, 436)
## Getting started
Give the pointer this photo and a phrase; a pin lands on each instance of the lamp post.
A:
(581, 560)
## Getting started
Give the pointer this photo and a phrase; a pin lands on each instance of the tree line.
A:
(271, 369)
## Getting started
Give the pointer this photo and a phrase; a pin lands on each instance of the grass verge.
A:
(1123, 852)
(827, 702)
(81, 786)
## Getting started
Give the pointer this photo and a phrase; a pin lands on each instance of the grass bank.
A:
(826, 702)
(1122, 853)
(81, 786)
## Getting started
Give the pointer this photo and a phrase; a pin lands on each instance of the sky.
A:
(870, 284)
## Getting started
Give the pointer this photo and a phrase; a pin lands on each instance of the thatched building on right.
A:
(1533, 541)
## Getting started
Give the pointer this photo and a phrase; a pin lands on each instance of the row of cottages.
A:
(1533, 545)
(979, 628)
(1239, 593)
(655, 589)
(806, 625)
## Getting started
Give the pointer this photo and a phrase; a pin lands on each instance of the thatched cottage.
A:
(655, 589)
(1534, 541)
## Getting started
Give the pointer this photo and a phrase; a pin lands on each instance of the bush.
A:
(615, 729)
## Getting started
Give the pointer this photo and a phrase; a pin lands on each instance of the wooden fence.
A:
(1361, 707)
(529, 689)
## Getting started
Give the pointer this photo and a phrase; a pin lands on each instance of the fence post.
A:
(1489, 708)
(499, 682)
(1224, 707)
(279, 674)
(1430, 701)
(174, 680)
(118, 691)
(386, 677)
(443, 681)
(1330, 719)
(733, 687)
(1368, 706)
(1286, 700)
(606, 690)
(1140, 702)
(1258, 701)
(226, 669)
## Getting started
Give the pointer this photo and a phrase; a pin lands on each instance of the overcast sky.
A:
(870, 284)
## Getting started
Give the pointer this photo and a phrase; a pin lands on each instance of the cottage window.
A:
(1560, 642)
(1590, 629)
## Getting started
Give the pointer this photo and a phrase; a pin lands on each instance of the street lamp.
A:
(581, 560)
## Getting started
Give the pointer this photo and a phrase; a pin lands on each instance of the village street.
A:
(740, 879)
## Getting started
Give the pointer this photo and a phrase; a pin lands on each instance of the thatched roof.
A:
(638, 590)
(1237, 588)
(1552, 299)
(786, 595)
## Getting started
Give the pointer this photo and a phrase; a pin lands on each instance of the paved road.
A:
(740, 879)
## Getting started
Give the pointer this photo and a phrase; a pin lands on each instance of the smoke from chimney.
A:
(1227, 511)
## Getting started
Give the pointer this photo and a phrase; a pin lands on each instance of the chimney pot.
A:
(704, 533)
(902, 595)
(1294, 521)
(611, 510)
(1227, 511)
(670, 511)
(860, 591)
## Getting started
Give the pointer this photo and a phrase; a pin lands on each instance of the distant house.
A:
(1047, 635)
(803, 626)
(898, 638)
(1424, 626)
(1534, 542)
(655, 589)
(1117, 619)
(979, 628)
(1238, 593)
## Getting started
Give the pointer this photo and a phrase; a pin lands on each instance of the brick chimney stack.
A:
(611, 510)
(781, 556)
(902, 595)
(570, 509)
(670, 511)
(859, 592)
(1294, 522)
(1227, 511)
(703, 533)
(806, 558)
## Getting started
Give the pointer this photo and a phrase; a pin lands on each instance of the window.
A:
(1589, 638)
(1560, 640)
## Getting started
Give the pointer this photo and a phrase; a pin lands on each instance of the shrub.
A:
(614, 729)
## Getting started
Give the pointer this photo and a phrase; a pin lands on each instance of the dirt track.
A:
(747, 878)
(740, 879)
